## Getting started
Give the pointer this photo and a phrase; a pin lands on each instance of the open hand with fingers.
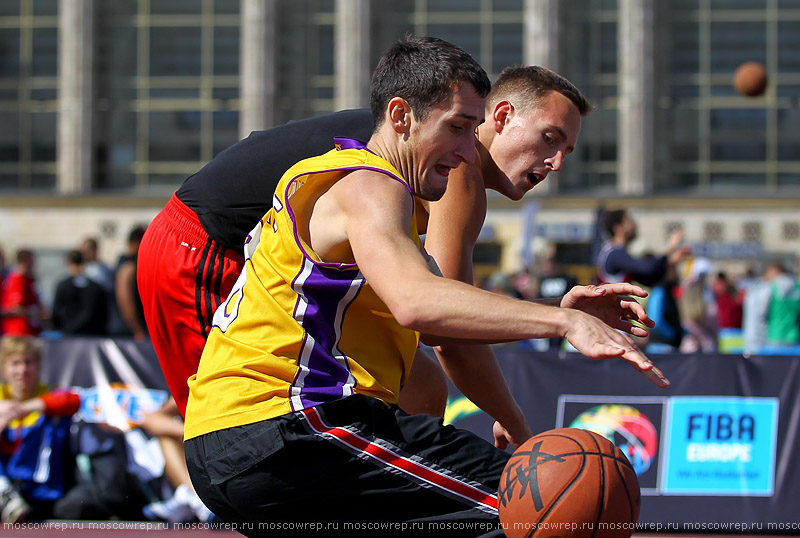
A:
(613, 304)
(597, 340)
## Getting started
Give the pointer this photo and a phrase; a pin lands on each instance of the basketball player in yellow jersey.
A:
(302, 425)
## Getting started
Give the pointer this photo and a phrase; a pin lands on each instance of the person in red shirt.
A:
(729, 302)
(21, 308)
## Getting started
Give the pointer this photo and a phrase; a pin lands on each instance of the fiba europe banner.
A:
(686, 445)
(720, 446)
(716, 448)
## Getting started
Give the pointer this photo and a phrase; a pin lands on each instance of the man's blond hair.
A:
(16, 345)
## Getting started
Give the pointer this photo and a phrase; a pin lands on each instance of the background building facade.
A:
(108, 105)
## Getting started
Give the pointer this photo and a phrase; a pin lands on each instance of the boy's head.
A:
(20, 361)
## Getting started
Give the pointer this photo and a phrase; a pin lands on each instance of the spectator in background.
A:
(615, 264)
(93, 268)
(771, 311)
(698, 310)
(184, 506)
(21, 307)
(662, 307)
(554, 283)
(35, 460)
(3, 269)
(2, 278)
(126, 290)
(783, 316)
(729, 302)
(746, 281)
(79, 304)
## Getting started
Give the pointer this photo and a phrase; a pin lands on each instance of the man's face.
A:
(25, 264)
(21, 371)
(533, 143)
(629, 228)
(443, 141)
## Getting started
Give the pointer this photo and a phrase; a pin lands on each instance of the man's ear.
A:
(501, 114)
(399, 115)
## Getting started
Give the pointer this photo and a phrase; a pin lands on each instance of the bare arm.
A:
(11, 409)
(454, 224)
(376, 220)
(164, 421)
(126, 299)
(376, 215)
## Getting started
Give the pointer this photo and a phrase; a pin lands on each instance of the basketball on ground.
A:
(750, 79)
(569, 483)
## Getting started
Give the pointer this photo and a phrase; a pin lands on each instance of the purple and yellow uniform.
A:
(327, 335)
(293, 414)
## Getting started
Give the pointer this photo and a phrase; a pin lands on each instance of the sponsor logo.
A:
(633, 423)
(117, 404)
(626, 427)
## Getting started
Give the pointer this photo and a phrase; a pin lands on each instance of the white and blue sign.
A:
(720, 446)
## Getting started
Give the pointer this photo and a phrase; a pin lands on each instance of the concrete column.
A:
(540, 33)
(541, 27)
(351, 60)
(75, 62)
(636, 113)
(257, 53)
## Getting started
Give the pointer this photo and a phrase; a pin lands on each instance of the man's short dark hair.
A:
(75, 257)
(90, 243)
(136, 234)
(24, 255)
(424, 71)
(526, 86)
(612, 219)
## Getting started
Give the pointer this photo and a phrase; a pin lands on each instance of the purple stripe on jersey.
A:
(349, 143)
(325, 294)
(325, 290)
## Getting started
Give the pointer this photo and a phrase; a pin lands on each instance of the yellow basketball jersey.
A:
(295, 331)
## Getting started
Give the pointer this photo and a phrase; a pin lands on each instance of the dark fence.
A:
(718, 451)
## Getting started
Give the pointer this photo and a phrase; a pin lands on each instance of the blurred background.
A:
(106, 106)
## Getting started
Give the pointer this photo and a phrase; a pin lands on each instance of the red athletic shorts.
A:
(183, 276)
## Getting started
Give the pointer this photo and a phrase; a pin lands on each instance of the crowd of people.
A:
(696, 307)
(40, 474)
(55, 466)
(92, 298)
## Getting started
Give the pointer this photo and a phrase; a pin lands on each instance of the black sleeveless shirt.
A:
(234, 190)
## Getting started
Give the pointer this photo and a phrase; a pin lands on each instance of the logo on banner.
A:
(720, 446)
(458, 408)
(117, 404)
(632, 423)
(626, 427)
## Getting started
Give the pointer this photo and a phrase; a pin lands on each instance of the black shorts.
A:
(352, 467)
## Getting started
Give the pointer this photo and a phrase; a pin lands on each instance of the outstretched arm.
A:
(57, 403)
(454, 223)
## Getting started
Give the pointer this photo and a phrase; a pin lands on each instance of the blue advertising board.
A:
(720, 446)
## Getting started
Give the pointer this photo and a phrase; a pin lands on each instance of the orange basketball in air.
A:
(750, 79)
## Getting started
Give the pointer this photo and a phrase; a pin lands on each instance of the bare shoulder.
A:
(365, 188)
